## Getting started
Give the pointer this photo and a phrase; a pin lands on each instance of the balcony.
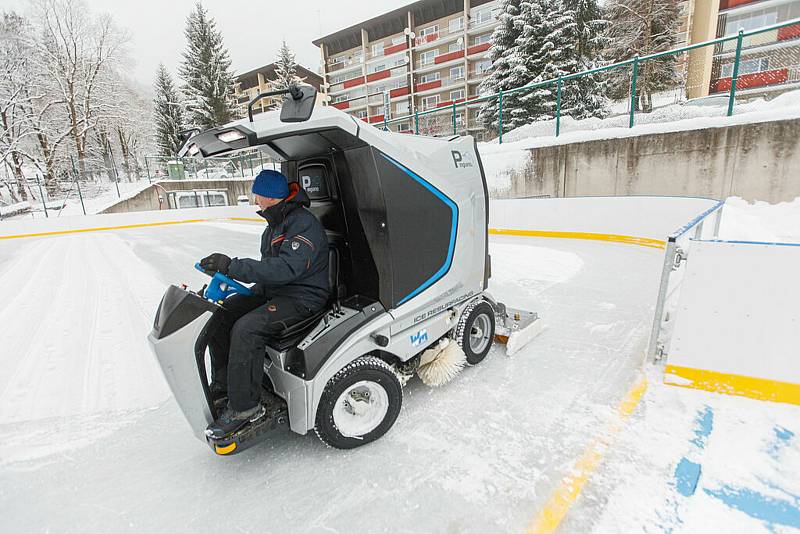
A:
(387, 51)
(478, 25)
(748, 81)
(443, 35)
(478, 48)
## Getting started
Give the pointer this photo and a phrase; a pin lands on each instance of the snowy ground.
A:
(90, 439)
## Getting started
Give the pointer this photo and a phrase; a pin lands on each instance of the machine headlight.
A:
(230, 136)
(193, 150)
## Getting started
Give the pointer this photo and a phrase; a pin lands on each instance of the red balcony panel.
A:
(381, 74)
(748, 81)
(426, 38)
(449, 103)
(789, 32)
(428, 85)
(727, 4)
(394, 48)
(483, 47)
(342, 105)
(400, 91)
(354, 82)
(443, 58)
(375, 118)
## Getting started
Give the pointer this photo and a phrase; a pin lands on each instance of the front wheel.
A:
(475, 331)
(359, 404)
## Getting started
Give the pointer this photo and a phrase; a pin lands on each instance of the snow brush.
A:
(441, 363)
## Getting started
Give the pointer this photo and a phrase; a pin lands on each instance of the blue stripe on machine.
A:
(454, 225)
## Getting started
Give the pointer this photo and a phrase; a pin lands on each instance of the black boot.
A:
(230, 421)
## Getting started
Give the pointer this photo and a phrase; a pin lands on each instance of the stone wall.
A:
(155, 196)
(759, 161)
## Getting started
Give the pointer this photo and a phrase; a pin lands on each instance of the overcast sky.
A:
(252, 30)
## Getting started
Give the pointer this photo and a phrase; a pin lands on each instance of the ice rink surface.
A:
(90, 439)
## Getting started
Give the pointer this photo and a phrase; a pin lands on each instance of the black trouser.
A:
(238, 345)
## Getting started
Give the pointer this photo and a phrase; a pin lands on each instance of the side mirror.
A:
(298, 103)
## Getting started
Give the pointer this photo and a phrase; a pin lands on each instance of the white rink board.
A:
(652, 217)
(738, 310)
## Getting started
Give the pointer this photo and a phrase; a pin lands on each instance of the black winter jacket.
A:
(294, 254)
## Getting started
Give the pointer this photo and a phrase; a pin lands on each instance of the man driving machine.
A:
(291, 284)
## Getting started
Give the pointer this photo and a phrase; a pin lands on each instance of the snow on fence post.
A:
(634, 76)
(500, 116)
(77, 181)
(416, 121)
(735, 71)
(558, 106)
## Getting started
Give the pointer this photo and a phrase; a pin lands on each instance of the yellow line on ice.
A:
(729, 384)
(122, 227)
(550, 516)
(614, 238)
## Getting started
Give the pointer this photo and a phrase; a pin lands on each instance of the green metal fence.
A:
(241, 165)
(447, 121)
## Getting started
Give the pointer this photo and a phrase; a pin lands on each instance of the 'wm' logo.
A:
(419, 337)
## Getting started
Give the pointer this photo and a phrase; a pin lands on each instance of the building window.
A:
(377, 68)
(404, 127)
(456, 24)
(402, 108)
(430, 77)
(336, 78)
(455, 47)
(430, 102)
(430, 30)
(480, 39)
(456, 73)
(747, 66)
(361, 114)
(750, 21)
(398, 40)
(377, 49)
(427, 58)
(456, 95)
(482, 67)
(482, 16)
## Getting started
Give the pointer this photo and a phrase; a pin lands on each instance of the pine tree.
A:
(501, 53)
(168, 114)
(588, 92)
(285, 68)
(534, 43)
(206, 73)
(642, 27)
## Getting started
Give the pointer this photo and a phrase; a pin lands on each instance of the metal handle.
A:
(292, 90)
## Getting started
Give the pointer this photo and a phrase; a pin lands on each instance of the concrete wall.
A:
(759, 161)
(148, 200)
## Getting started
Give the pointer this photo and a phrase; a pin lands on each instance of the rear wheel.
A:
(475, 331)
(359, 404)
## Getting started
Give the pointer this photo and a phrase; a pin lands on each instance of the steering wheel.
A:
(222, 287)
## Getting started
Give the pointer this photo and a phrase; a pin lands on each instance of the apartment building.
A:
(769, 61)
(260, 80)
(424, 56)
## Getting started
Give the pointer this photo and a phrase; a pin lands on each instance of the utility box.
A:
(176, 170)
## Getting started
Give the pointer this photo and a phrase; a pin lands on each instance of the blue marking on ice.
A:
(704, 426)
(783, 436)
(762, 507)
(687, 475)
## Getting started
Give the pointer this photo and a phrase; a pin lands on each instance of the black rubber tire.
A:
(464, 327)
(364, 368)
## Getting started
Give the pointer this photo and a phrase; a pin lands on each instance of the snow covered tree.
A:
(588, 93)
(285, 68)
(642, 27)
(168, 114)
(533, 43)
(206, 73)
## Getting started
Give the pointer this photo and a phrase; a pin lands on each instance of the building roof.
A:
(250, 78)
(392, 22)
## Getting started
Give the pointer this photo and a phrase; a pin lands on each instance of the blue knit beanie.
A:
(271, 184)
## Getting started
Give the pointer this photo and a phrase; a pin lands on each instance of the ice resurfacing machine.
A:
(407, 221)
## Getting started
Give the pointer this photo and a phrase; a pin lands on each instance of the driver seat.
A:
(293, 333)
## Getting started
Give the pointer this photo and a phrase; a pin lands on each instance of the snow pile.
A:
(14, 209)
(761, 221)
